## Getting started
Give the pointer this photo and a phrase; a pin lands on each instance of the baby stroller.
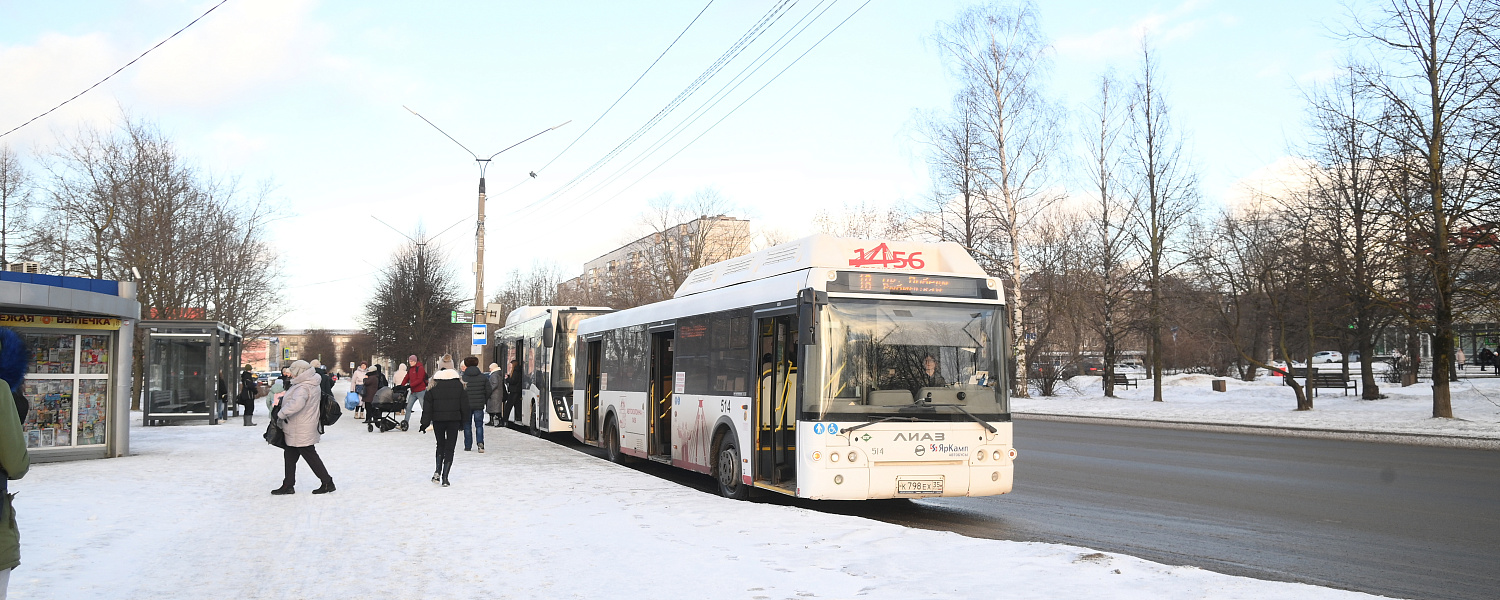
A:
(387, 402)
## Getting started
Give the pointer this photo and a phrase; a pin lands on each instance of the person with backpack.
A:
(445, 408)
(477, 386)
(248, 391)
(301, 419)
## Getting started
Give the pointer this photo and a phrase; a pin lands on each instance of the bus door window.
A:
(777, 399)
(661, 393)
(591, 397)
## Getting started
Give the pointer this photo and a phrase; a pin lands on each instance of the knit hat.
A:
(412, 358)
(494, 367)
(297, 368)
(446, 362)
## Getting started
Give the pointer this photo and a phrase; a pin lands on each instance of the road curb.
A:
(1411, 439)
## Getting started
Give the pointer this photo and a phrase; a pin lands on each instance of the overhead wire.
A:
(117, 71)
(737, 106)
(768, 19)
(754, 66)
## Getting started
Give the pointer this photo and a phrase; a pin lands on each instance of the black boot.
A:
(325, 488)
(447, 466)
(286, 488)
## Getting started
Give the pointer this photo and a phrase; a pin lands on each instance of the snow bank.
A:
(189, 516)
(1266, 402)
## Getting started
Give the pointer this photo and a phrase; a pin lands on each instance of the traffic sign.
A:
(462, 316)
(480, 334)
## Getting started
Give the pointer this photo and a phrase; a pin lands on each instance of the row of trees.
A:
(1390, 221)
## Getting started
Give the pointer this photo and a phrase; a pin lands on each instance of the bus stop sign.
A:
(480, 334)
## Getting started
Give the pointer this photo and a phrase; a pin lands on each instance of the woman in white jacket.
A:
(300, 417)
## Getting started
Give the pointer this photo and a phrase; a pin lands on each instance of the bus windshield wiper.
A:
(928, 402)
(880, 420)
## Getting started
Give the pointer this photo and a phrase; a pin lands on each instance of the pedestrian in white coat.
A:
(300, 417)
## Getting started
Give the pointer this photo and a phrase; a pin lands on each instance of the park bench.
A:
(1332, 381)
(1121, 379)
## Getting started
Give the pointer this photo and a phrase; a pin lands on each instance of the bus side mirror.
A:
(808, 315)
(547, 333)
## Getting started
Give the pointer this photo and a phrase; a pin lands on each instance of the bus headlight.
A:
(833, 457)
(980, 456)
(839, 479)
(1012, 453)
(852, 456)
(995, 476)
(997, 455)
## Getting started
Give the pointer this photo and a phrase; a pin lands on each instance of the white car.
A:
(1328, 356)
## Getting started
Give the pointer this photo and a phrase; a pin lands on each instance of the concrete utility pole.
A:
(484, 164)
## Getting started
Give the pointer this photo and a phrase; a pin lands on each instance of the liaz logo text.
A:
(920, 437)
(947, 448)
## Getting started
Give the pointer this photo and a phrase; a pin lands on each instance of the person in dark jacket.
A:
(493, 404)
(477, 386)
(374, 380)
(248, 391)
(512, 393)
(444, 408)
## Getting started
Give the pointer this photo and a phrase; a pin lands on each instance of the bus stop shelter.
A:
(189, 363)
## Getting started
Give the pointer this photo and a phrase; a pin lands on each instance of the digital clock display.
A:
(912, 285)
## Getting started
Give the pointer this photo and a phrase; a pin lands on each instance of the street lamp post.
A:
(484, 164)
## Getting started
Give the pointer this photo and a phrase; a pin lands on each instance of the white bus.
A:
(823, 368)
(542, 339)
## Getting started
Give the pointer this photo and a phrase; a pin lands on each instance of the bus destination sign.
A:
(913, 285)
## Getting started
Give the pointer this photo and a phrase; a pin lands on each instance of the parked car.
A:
(1328, 356)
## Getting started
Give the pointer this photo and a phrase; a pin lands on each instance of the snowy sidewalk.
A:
(190, 516)
(1267, 403)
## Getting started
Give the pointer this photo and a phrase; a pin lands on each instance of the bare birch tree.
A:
(1106, 242)
(16, 187)
(999, 55)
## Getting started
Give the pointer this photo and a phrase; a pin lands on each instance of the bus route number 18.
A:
(883, 256)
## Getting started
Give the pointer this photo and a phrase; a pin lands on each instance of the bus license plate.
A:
(919, 486)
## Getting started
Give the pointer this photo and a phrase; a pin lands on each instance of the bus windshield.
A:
(891, 358)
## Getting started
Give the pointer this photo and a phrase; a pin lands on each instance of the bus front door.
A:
(660, 402)
(591, 392)
(776, 403)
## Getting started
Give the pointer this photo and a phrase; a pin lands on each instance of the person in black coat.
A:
(512, 403)
(477, 386)
(444, 408)
(248, 391)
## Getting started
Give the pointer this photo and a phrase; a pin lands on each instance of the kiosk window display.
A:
(68, 388)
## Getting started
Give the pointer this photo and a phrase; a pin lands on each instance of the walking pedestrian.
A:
(512, 393)
(416, 381)
(477, 386)
(1459, 358)
(493, 405)
(301, 416)
(221, 393)
(246, 398)
(14, 458)
(1486, 358)
(444, 408)
(358, 379)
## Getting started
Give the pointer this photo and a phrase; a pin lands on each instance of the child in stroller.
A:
(388, 400)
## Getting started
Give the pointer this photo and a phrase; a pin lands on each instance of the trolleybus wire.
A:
(736, 108)
(627, 90)
(766, 20)
(718, 97)
(117, 71)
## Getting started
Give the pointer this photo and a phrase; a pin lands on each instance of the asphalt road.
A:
(1393, 520)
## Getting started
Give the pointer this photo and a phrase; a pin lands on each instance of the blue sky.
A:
(308, 95)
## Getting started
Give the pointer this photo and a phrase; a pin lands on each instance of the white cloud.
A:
(39, 76)
(1280, 177)
(1175, 24)
(238, 49)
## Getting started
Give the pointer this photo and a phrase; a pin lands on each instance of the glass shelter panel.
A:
(178, 378)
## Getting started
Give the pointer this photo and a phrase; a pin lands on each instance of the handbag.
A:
(274, 435)
(351, 401)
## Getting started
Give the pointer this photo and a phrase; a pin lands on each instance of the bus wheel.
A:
(727, 472)
(612, 443)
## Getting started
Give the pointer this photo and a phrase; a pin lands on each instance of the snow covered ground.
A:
(189, 516)
(1266, 402)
